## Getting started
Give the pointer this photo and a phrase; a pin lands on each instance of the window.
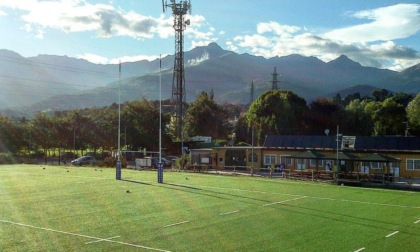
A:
(413, 164)
(313, 163)
(269, 159)
(250, 159)
(376, 165)
(286, 160)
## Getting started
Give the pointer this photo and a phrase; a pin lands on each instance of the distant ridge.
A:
(60, 82)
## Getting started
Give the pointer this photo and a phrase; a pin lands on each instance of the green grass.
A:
(71, 209)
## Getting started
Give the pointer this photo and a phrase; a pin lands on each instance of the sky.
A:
(375, 33)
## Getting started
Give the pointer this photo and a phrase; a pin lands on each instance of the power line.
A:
(28, 62)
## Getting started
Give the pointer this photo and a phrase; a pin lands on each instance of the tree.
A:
(277, 112)
(388, 117)
(413, 114)
(141, 124)
(358, 120)
(403, 99)
(206, 118)
(242, 130)
(380, 94)
(323, 114)
(10, 135)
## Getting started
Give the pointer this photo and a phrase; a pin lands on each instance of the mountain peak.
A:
(343, 61)
(8, 53)
(203, 53)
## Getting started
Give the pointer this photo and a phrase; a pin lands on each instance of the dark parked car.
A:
(166, 163)
(85, 160)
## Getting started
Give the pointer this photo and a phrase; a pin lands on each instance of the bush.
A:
(112, 162)
(7, 158)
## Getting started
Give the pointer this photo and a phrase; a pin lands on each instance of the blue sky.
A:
(377, 33)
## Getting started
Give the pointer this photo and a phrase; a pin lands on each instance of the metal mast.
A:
(179, 10)
(275, 81)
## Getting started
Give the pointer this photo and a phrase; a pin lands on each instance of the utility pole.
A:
(179, 11)
(118, 164)
(252, 129)
(406, 129)
(252, 93)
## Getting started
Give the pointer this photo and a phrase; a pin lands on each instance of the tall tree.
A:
(277, 112)
(206, 118)
(413, 114)
(380, 94)
(388, 117)
(323, 114)
(358, 120)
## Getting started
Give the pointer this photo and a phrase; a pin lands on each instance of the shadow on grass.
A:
(346, 218)
(184, 186)
(136, 182)
(219, 195)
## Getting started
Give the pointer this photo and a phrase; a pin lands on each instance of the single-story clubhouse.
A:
(361, 158)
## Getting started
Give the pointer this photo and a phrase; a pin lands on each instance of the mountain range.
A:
(50, 82)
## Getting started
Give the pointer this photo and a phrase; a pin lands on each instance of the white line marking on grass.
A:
(360, 249)
(101, 240)
(284, 201)
(230, 212)
(391, 234)
(84, 236)
(416, 222)
(176, 224)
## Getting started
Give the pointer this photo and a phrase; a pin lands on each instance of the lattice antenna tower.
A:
(179, 11)
(275, 81)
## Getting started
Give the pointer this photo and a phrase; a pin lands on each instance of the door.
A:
(301, 164)
(364, 167)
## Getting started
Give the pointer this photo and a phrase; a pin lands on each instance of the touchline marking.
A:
(101, 240)
(391, 234)
(230, 212)
(284, 201)
(175, 224)
(84, 236)
(360, 249)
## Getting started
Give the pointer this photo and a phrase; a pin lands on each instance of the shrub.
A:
(112, 162)
(7, 158)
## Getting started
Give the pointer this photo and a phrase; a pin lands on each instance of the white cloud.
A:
(104, 19)
(93, 58)
(2, 13)
(97, 59)
(135, 58)
(205, 56)
(370, 44)
(276, 28)
(387, 23)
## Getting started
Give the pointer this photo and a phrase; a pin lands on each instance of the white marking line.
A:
(416, 222)
(360, 249)
(391, 234)
(101, 240)
(84, 236)
(175, 224)
(284, 201)
(230, 212)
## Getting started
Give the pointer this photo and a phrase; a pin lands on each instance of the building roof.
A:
(362, 143)
(392, 143)
(309, 154)
(301, 142)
